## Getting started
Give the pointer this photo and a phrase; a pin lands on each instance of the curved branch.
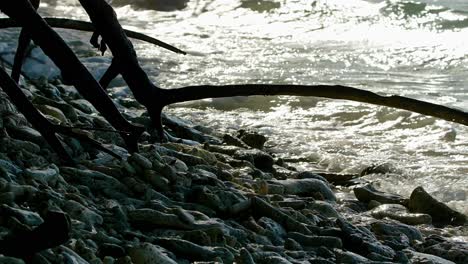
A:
(191, 93)
(87, 26)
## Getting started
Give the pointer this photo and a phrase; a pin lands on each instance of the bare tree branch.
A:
(191, 93)
(87, 26)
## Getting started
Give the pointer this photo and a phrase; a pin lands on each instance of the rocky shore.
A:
(195, 199)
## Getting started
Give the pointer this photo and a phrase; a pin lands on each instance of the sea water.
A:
(417, 49)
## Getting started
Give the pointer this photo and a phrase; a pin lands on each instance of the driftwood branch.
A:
(191, 93)
(58, 51)
(66, 23)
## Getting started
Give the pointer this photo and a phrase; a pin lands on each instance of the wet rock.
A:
(382, 168)
(9, 167)
(113, 250)
(27, 134)
(252, 139)
(395, 229)
(310, 175)
(147, 253)
(422, 258)
(307, 187)
(362, 241)
(323, 208)
(455, 251)
(193, 251)
(234, 141)
(261, 208)
(10, 260)
(259, 159)
(245, 257)
(350, 257)
(149, 218)
(400, 213)
(47, 176)
(53, 112)
(316, 241)
(83, 105)
(26, 217)
(422, 202)
(367, 193)
(81, 213)
(141, 161)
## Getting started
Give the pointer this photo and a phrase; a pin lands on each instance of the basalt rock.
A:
(422, 202)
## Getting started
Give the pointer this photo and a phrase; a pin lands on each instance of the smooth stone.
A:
(310, 175)
(113, 250)
(258, 158)
(362, 241)
(350, 257)
(323, 208)
(367, 193)
(27, 134)
(456, 251)
(10, 260)
(400, 213)
(306, 187)
(422, 202)
(83, 105)
(147, 253)
(191, 251)
(9, 167)
(53, 112)
(245, 257)
(25, 217)
(81, 213)
(396, 229)
(252, 139)
(49, 175)
(316, 241)
(234, 141)
(154, 219)
(423, 258)
(141, 161)
(382, 168)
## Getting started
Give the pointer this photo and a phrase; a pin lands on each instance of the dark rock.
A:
(147, 253)
(455, 251)
(316, 241)
(422, 258)
(400, 213)
(307, 187)
(360, 240)
(259, 159)
(383, 168)
(113, 250)
(367, 193)
(252, 139)
(422, 202)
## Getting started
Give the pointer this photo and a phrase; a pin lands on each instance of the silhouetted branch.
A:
(191, 93)
(87, 26)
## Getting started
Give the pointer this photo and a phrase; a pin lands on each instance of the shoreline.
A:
(200, 199)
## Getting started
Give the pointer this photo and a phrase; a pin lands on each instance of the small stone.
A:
(83, 105)
(422, 202)
(307, 187)
(26, 217)
(48, 176)
(141, 161)
(400, 213)
(53, 112)
(316, 241)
